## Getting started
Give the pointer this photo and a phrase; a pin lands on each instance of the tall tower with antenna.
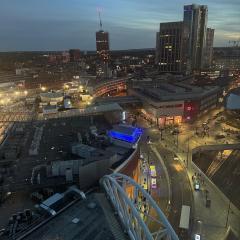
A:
(102, 41)
(99, 16)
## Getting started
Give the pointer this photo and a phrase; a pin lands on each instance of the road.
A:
(176, 190)
(180, 188)
(181, 191)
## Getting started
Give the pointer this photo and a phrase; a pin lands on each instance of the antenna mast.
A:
(99, 10)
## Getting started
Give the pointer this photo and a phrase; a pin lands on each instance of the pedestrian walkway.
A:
(220, 214)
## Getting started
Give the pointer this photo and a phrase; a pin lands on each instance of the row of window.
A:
(172, 106)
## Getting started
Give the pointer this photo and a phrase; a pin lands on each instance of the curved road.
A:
(180, 188)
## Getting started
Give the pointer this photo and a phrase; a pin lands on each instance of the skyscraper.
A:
(102, 45)
(209, 47)
(75, 55)
(157, 52)
(103, 53)
(195, 21)
(169, 47)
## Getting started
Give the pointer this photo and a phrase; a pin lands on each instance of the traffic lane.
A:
(160, 194)
(181, 190)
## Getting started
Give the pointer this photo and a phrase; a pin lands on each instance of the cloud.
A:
(63, 24)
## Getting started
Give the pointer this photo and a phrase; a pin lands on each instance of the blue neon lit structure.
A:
(131, 138)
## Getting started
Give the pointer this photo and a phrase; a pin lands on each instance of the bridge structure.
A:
(114, 85)
(126, 196)
(216, 147)
(16, 117)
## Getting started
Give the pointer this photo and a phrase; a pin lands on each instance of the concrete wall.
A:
(216, 147)
(91, 173)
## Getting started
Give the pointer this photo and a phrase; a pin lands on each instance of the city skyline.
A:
(59, 25)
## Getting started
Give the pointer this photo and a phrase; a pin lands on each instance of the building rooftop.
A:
(125, 133)
(176, 91)
(52, 94)
(88, 219)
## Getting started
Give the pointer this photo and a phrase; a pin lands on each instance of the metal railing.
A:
(126, 197)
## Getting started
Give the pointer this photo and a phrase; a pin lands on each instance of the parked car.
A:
(198, 230)
(219, 136)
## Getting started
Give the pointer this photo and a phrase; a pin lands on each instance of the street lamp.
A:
(161, 132)
(229, 204)
(188, 152)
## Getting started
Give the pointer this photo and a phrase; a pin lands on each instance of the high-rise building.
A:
(102, 45)
(103, 53)
(209, 47)
(195, 21)
(157, 52)
(169, 50)
(75, 55)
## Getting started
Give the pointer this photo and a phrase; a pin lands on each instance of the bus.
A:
(152, 167)
(145, 187)
(185, 216)
(153, 172)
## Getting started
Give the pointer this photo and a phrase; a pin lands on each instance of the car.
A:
(144, 186)
(153, 183)
(198, 230)
(219, 136)
(2, 231)
(238, 137)
(175, 158)
(196, 184)
(175, 131)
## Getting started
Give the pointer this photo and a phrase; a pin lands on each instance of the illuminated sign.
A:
(123, 115)
(197, 237)
(131, 138)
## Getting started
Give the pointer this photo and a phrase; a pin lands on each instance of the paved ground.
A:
(227, 177)
(173, 182)
(214, 218)
(223, 170)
